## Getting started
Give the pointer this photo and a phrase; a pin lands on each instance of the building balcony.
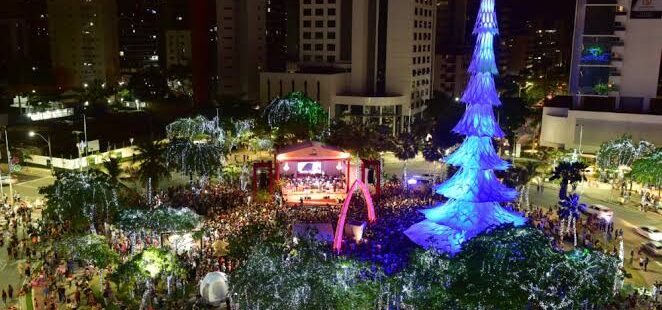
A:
(614, 2)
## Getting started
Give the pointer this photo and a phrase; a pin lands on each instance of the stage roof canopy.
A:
(311, 151)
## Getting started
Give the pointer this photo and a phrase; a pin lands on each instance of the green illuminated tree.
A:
(648, 170)
(296, 116)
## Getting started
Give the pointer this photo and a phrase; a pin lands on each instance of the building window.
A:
(319, 12)
(306, 23)
(306, 57)
(331, 58)
(319, 1)
(331, 47)
(306, 35)
(331, 24)
(319, 47)
(306, 12)
(331, 12)
(331, 35)
(319, 23)
(306, 47)
(319, 35)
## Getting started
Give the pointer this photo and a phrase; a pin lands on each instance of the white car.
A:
(6, 180)
(649, 232)
(653, 247)
(599, 211)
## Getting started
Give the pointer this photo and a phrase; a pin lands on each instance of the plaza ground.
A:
(626, 216)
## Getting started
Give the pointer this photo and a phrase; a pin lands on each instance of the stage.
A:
(314, 199)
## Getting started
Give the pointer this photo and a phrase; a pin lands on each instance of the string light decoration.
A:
(474, 192)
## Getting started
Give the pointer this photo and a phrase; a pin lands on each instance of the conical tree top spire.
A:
(486, 21)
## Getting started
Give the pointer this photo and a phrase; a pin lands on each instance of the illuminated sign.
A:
(646, 9)
(595, 54)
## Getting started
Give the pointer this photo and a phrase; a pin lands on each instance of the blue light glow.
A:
(412, 181)
(474, 192)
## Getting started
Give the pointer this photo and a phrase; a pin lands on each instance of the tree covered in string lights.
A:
(296, 116)
(195, 145)
(648, 170)
(474, 193)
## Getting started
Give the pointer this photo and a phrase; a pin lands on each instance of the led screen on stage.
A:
(311, 167)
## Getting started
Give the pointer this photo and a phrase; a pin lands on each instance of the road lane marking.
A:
(35, 180)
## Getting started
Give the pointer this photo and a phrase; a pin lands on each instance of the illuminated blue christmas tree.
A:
(474, 193)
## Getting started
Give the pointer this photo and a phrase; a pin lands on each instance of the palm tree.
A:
(569, 212)
(113, 169)
(153, 166)
(568, 173)
(406, 148)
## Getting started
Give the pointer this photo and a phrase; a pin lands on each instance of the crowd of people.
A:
(63, 281)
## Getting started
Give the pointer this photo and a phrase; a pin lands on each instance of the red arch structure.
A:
(337, 240)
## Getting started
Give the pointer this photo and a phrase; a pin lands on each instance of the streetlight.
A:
(48, 141)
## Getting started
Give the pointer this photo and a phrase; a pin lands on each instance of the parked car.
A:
(649, 232)
(599, 211)
(652, 247)
(6, 180)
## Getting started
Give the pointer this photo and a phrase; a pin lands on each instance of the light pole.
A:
(48, 141)
(11, 190)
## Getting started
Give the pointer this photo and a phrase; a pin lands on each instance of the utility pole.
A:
(85, 131)
(11, 191)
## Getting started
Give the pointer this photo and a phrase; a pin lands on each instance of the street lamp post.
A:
(48, 141)
(11, 190)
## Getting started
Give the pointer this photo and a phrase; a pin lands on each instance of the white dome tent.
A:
(214, 288)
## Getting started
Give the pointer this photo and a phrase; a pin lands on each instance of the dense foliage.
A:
(506, 268)
(81, 200)
(569, 173)
(159, 220)
(196, 145)
(648, 170)
(296, 116)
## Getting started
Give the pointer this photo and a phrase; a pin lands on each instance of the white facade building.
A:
(615, 78)
(390, 76)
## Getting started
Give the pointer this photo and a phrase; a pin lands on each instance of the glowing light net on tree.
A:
(474, 192)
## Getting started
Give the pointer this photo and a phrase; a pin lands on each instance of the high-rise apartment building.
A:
(84, 41)
(391, 51)
(282, 34)
(453, 50)
(140, 36)
(615, 76)
(177, 48)
(241, 46)
(324, 37)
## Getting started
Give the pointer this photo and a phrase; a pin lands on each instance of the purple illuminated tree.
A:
(474, 193)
